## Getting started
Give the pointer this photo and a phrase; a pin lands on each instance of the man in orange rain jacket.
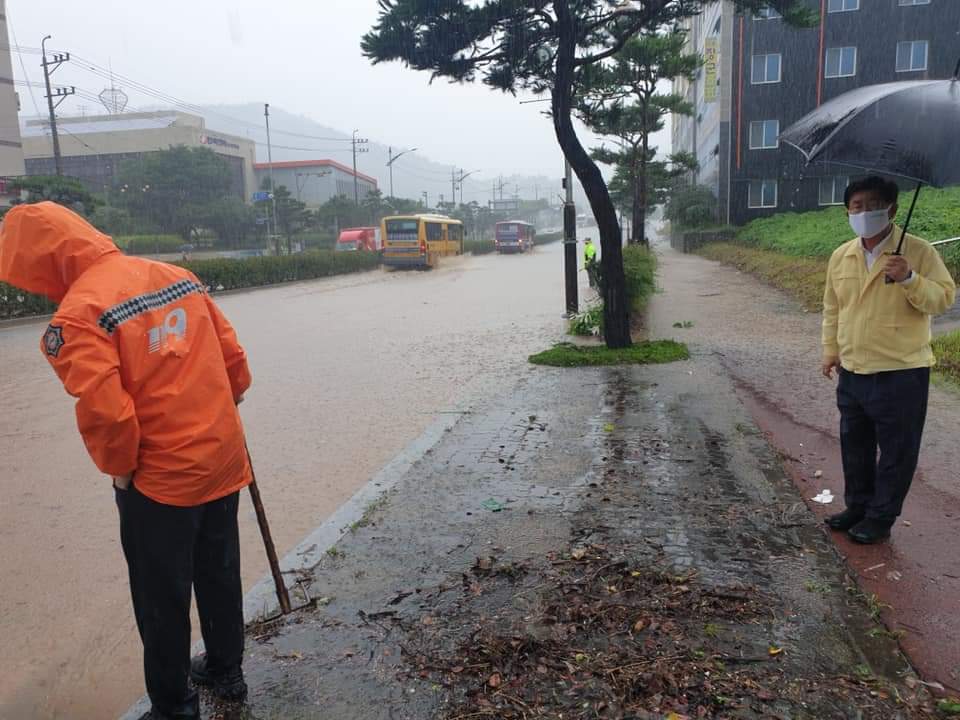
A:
(157, 373)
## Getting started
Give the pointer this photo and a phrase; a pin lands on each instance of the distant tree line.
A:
(186, 192)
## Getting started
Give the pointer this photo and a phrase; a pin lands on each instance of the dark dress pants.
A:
(882, 412)
(170, 550)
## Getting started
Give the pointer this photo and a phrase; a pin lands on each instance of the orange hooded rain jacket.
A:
(154, 365)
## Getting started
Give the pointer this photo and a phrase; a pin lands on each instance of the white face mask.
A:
(869, 224)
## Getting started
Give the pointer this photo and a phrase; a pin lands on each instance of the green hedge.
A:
(479, 247)
(15, 303)
(482, 247)
(546, 238)
(640, 268)
(225, 274)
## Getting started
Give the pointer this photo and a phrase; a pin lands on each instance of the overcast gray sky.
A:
(300, 55)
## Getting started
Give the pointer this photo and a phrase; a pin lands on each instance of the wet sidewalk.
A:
(597, 543)
(771, 349)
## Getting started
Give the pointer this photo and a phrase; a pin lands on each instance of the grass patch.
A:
(802, 277)
(946, 348)
(646, 353)
(817, 234)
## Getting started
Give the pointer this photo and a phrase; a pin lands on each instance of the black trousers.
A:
(885, 411)
(169, 550)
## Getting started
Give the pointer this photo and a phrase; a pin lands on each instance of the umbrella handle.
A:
(903, 232)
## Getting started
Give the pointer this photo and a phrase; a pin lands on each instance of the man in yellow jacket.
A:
(877, 335)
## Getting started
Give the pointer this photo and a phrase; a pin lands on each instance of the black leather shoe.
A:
(870, 531)
(845, 520)
(228, 686)
(190, 710)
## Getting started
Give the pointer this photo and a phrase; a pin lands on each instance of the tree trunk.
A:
(616, 310)
(640, 222)
(635, 208)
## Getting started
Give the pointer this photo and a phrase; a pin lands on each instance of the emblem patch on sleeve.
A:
(53, 340)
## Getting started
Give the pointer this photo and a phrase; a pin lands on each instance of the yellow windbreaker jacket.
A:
(874, 327)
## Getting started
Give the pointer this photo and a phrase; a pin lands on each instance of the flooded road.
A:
(347, 371)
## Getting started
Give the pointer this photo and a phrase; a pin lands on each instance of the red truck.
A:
(366, 239)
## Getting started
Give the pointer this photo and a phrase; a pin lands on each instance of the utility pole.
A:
(391, 159)
(49, 66)
(356, 181)
(453, 186)
(426, 200)
(273, 186)
(570, 244)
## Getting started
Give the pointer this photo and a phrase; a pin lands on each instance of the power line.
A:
(303, 149)
(23, 65)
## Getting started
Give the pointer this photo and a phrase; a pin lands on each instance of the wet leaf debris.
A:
(612, 638)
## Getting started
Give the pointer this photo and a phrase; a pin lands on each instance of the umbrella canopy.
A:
(908, 129)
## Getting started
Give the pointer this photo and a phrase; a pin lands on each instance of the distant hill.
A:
(296, 137)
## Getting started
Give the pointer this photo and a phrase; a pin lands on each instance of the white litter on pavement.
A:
(824, 498)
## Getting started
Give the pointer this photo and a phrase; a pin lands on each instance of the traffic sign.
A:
(261, 195)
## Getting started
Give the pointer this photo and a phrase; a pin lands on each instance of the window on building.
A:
(832, 189)
(841, 62)
(912, 55)
(716, 26)
(835, 6)
(767, 13)
(763, 194)
(908, 3)
(763, 134)
(765, 69)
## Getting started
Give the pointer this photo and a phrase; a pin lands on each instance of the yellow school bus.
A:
(420, 240)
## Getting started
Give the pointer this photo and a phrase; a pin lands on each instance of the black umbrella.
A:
(908, 129)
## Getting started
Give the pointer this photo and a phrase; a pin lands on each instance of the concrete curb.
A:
(261, 600)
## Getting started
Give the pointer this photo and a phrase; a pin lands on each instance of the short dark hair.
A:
(888, 190)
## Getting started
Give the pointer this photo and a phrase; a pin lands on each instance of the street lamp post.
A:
(392, 159)
(273, 187)
(463, 176)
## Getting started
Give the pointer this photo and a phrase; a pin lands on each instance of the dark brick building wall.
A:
(875, 28)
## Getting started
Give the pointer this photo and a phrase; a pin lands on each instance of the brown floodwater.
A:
(347, 371)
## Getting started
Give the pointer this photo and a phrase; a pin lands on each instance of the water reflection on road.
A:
(346, 372)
